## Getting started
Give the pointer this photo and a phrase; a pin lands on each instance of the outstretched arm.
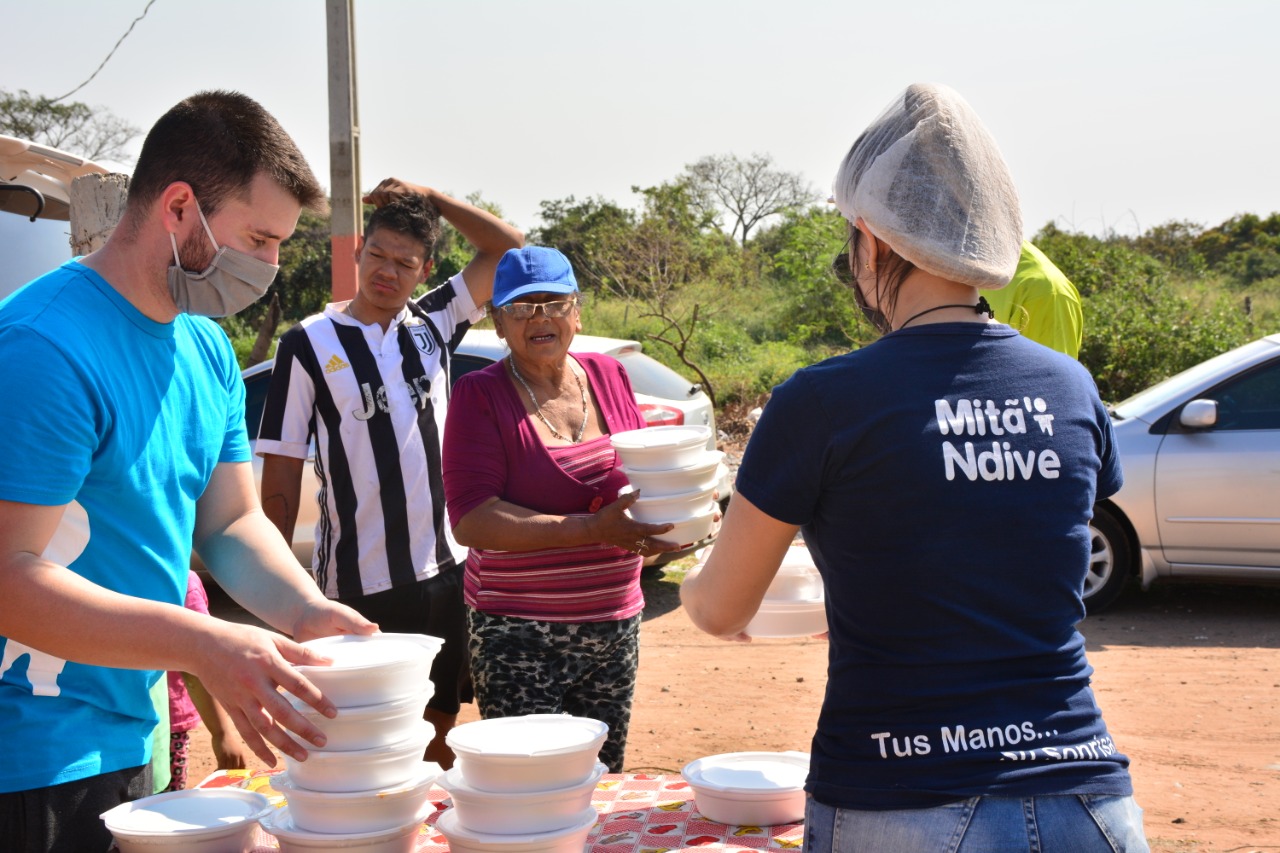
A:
(51, 608)
(490, 235)
(722, 597)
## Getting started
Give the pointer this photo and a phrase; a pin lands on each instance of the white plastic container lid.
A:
(375, 711)
(351, 652)
(528, 735)
(749, 772)
(710, 460)
(424, 776)
(453, 782)
(191, 811)
(653, 438)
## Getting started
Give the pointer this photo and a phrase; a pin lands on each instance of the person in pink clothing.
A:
(552, 579)
(189, 703)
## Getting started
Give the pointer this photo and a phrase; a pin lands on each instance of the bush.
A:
(1139, 334)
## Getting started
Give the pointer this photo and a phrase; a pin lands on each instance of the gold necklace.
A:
(537, 407)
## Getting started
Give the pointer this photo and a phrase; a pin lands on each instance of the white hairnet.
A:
(929, 180)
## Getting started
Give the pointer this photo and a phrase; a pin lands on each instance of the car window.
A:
(1169, 390)
(30, 249)
(461, 365)
(1251, 401)
(654, 378)
(255, 400)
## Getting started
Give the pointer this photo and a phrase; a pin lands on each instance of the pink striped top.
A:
(491, 449)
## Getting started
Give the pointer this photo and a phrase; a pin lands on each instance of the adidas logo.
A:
(335, 364)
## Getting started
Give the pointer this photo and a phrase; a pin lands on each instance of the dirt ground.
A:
(1188, 678)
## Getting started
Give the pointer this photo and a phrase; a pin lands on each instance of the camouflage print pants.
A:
(586, 669)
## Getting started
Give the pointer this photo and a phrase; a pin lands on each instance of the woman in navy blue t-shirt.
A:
(943, 478)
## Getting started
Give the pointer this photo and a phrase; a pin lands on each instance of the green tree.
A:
(814, 307)
(90, 132)
(745, 191)
(587, 232)
(1174, 245)
(1096, 264)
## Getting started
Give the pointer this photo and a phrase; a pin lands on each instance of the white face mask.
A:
(232, 282)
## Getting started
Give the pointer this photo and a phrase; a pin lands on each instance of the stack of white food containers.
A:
(522, 784)
(676, 475)
(794, 605)
(367, 787)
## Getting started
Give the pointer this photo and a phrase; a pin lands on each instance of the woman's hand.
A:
(612, 525)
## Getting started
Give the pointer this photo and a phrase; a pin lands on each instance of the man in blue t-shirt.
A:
(125, 445)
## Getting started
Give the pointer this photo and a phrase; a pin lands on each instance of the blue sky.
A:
(1112, 115)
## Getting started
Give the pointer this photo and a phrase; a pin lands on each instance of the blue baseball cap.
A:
(533, 269)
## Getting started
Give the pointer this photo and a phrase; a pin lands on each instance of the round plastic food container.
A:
(572, 839)
(362, 769)
(678, 507)
(660, 447)
(702, 474)
(370, 670)
(366, 726)
(534, 752)
(220, 820)
(519, 813)
(797, 578)
(788, 619)
(749, 788)
(358, 811)
(691, 529)
(399, 839)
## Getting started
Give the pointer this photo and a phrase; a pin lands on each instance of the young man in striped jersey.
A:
(368, 380)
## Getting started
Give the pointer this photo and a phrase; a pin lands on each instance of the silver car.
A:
(665, 398)
(1201, 498)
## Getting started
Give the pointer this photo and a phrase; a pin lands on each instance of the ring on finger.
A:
(640, 545)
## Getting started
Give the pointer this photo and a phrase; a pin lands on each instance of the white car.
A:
(35, 205)
(665, 398)
(1201, 494)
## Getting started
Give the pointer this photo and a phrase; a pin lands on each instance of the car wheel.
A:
(1110, 561)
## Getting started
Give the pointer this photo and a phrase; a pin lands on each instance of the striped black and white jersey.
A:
(375, 403)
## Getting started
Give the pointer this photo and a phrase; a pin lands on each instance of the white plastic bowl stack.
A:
(522, 784)
(366, 789)
(749, 788)
(794, 605)
(676, 476)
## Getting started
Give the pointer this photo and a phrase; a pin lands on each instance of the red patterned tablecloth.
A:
(639, 813)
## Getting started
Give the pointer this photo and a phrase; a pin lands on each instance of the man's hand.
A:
(325, 618)
(244, 668)
(390, 189)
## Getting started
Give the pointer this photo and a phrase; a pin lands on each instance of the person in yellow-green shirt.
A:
(1041, 303)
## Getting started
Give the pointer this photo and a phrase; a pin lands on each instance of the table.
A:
(639, 813)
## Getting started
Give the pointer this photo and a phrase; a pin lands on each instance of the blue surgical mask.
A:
(232, 282)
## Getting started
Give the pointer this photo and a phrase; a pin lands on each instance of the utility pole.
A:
(347, 218)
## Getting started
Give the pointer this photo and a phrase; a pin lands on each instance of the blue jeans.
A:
(1072, 823)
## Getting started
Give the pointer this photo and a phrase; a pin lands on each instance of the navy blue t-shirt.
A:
(944, 478)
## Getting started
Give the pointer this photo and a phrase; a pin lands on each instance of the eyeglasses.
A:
(526, 310)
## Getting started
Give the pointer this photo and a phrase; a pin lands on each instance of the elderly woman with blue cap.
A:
(552, 580)
(943, 477)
